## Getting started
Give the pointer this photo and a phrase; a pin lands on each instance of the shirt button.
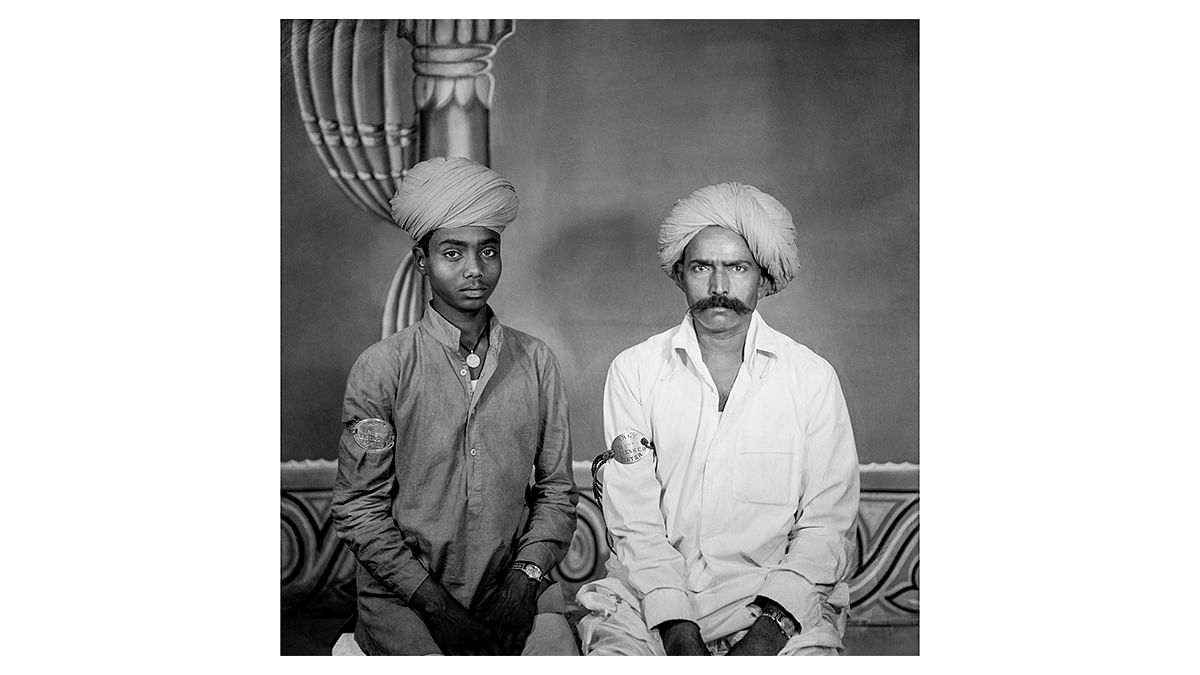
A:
(463, 371)
(474, 451)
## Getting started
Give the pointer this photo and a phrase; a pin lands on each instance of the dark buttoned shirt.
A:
(473, 482)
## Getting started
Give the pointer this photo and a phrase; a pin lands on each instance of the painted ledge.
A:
(318, 474)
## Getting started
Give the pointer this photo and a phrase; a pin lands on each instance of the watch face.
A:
(785, 624)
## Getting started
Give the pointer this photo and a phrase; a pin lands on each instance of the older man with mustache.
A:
(733, 489)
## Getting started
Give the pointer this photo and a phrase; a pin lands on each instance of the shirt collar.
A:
(760, 339)
(449, 335)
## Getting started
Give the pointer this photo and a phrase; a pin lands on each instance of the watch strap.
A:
(530, 570)
(786, 625)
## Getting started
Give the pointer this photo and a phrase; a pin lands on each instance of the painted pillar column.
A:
(452, 95)
(452, 90)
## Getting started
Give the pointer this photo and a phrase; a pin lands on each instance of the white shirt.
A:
(760, 500)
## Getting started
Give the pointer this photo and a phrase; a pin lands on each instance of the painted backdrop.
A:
(601, 126)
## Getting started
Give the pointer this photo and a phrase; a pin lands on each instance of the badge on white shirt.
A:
(631, 446)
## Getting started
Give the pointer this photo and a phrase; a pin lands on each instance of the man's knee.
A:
(822, 639)
(551, 636)
(615, 644)
(614, 625)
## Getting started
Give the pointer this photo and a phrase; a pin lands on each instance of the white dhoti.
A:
(614, 625)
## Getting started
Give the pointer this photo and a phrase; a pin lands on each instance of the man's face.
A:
(720, 280)
(462, 266)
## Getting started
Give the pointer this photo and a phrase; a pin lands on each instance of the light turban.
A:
(759, 218)
(454, 192)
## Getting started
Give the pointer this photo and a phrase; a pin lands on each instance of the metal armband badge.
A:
(373, 434)
(631, 446)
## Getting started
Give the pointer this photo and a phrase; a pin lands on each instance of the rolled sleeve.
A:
(796, 594)
(362, 504)
(632, 512)
(819, 544)
(667, 604)
(544, 555)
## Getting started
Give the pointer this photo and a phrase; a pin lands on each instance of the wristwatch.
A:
(786, 625)
(530, 570)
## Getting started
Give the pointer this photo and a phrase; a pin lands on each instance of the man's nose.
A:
(718, 283)
(472, 268)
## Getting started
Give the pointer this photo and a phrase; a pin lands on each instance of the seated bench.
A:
(318, 570)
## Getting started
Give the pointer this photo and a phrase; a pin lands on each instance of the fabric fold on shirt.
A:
(761, 499)
(448, 498)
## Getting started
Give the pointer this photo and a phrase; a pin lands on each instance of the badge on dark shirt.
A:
(373, 434)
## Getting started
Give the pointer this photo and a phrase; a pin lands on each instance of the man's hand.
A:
(682, 638)
(509, 611)
(763, 639)
(453, 628)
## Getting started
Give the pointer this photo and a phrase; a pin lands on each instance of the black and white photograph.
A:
(599, 337)
(615, 330)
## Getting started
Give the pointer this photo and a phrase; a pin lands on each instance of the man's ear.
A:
(677, 275)
(419, 258)
(764, 284)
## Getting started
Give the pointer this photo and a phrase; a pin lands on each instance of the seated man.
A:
(733, 491)
(445, 423)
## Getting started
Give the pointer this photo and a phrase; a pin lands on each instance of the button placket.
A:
(475, 475)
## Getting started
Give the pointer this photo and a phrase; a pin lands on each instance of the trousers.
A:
(551, 634)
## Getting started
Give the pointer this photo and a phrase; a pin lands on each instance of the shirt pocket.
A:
(762, 476)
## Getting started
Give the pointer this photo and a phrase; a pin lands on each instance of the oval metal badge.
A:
(631, 446)
(373, 434)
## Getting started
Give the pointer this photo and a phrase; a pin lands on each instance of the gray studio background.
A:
(601, 126)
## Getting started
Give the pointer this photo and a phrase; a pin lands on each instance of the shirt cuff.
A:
(795, 594)
(539, 553)
(666, 604)
(408, 583)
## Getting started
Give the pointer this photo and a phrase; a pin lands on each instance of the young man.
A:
(733, 491)
(454, 487)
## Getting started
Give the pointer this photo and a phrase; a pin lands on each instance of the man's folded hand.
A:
(510, 610)
(682, 638)
(453, 628)
(763, 639)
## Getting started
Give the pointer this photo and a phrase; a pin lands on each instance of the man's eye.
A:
(488, 253)
(739, 268)
(452, 254)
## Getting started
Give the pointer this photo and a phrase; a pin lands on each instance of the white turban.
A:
(454, 192)
(759, 218)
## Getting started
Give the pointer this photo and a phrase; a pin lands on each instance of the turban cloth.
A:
(454, 192)
(759, 218)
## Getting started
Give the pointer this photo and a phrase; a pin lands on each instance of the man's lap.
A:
(389, 628)
(551, 636)
(614, 625)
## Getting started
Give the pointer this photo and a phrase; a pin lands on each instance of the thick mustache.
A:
(722, 301)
